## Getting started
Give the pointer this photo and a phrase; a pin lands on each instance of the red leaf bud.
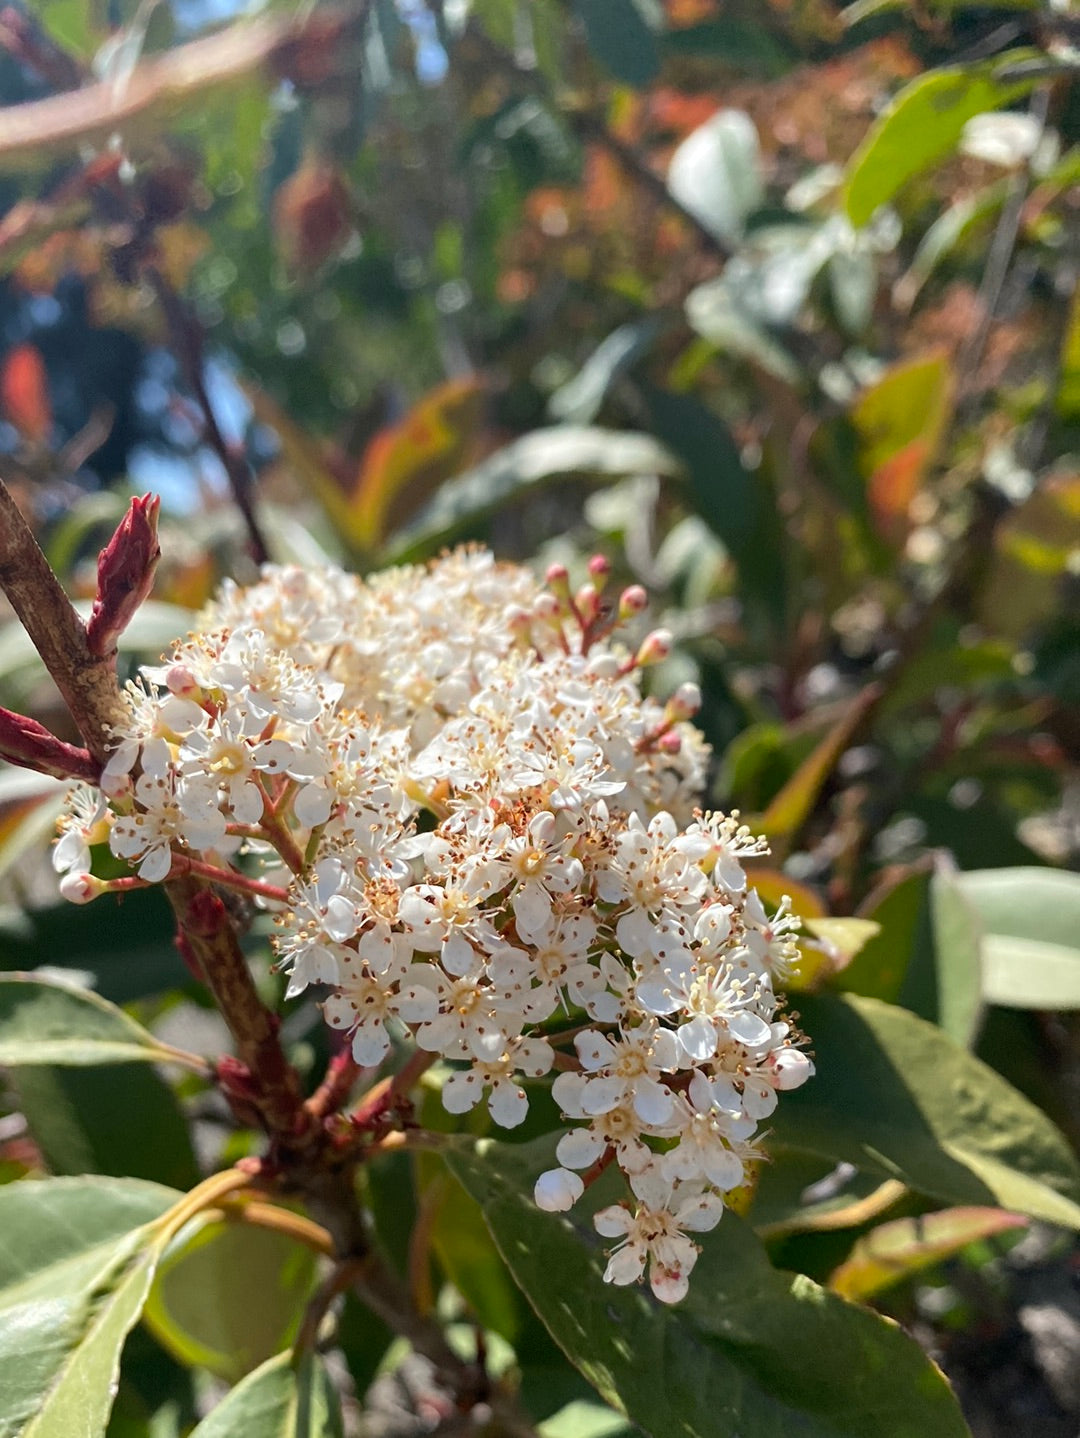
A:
(125, 574)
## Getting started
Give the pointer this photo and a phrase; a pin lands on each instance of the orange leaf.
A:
(900, 422)
(407, 461)
(893, 1251)
(24, 392)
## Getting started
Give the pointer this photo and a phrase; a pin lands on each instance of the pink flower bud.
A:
(599, 568)
(557, 1190)
(125, 574)
(81, 888)
(632, 601)
(180, 680)
(655, 647)
(670, 742)
(791, 1068)
(25, 742)
(557, 580)
(684, 703)
(585, 602)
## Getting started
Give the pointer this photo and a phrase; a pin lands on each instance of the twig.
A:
(589, 127)
(999, 258)
(86, 681)
(187, 335)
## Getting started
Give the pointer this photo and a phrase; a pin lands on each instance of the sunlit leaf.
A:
(405, 463)
(926, 954)
(750, 1352)
(924, 123)
(201, 1307)
(522, 467)
(284, 1398)
(895, 1096)
(45, 1022)
(1031, 935)
(900, 421)
(76, 1260)
(894, 1251)
(715, 174)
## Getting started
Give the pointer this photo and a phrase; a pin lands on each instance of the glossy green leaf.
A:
(76, 1261)
(926, 955)
(461, 1242)
(122, 1119)
(894, 1251)
(1031, 935)
(46, 1022)
(895, 1096)
(523, 467)
(715, 173)
(200, 1308)
(622, 35)
(751, 1351)
(923, 124)
(281, 1399)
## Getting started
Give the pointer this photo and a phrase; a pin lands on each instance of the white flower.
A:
(655, 1234)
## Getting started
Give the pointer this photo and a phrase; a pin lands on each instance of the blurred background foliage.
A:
(772, 301)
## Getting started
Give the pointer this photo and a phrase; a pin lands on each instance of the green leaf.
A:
(895, 1096)
(201, 1307)
(580, 399)
(622, 35)
(521, 468)
(122, 1119)
(282, 1399)
(45, 1022)
(1031, 935)
(750, 1352)
(789, 810)
(728, 498)
(461, 1242)
(717, 312)
(76, 1260)
(740, 43)
(715, 173)
(924, 123)
(893, 1251)
(926, 955)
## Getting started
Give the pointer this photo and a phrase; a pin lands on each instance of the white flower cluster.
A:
(475, 829)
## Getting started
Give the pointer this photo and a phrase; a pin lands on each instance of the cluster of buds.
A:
(477, 833)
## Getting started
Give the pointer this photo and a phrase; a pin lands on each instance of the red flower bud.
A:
(25, 742)
(125, 574)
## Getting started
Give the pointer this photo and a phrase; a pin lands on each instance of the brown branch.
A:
(85, 680)
(188, 338)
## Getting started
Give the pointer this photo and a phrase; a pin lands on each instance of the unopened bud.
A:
(586, 602)
(125, 574)
(25, 742)
(81, 888)
(557, 580)
(632, 601)
(600, 568)
(791, 1068)
(181, 681)
(684, 703)
(669, 742)
(557, 1190)
(655, 647)
(546, 608)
